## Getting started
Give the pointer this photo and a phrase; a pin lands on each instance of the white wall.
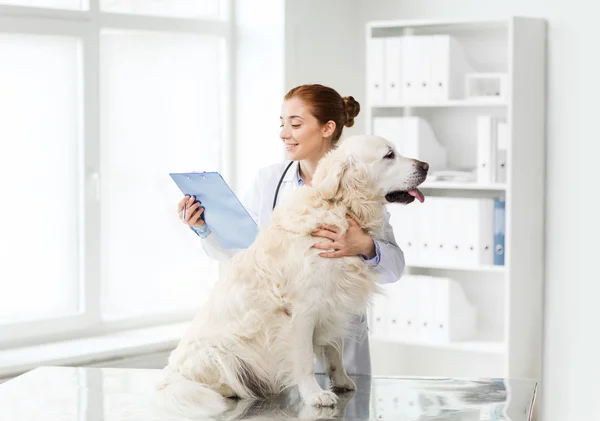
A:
(259, 87)
(328, 46)
(321, 45)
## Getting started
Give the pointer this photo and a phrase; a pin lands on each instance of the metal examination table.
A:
(103, 394)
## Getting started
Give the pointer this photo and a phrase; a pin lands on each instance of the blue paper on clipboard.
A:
(224, 214)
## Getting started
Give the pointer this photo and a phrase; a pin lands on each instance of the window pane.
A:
(39, 176)
(160, 113)
(49, 4)
(172, 8)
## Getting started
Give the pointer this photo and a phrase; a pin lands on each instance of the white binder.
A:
(395, 316)
(378, 325)
(448, 69)
(406, 221)
(426, 310)
(454, 231)
(485, 150)
(478, 231)
(427, 249)
(375, 71)
(501, 151)
(455, 318)
(445, 223)
(404, 310)
(393, 70)
(416, 68)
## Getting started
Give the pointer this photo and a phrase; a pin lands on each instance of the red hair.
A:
(327, 105)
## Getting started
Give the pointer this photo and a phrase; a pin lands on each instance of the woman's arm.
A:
(381, 253)
(210, 243)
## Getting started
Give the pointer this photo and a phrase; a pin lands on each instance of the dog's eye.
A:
(390, 155)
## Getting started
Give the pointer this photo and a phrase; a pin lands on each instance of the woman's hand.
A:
(193, 211)
(354, 242)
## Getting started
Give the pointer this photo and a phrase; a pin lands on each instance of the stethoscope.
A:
(279, 184)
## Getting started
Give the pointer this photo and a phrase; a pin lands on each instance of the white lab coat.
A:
(258, 200)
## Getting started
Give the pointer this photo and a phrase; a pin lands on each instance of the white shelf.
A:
(462, 186)
(464, 268)
(452, 23)
(459, 103)
(483, 347)
(502, 295)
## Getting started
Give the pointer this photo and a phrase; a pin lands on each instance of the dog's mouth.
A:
(405, 196)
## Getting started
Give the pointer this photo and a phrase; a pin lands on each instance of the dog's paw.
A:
(342, 384)
(323, 399)
(311, 413)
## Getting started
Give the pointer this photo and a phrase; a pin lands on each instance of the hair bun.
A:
(352, 108)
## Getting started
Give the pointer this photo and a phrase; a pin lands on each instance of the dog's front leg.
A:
(303, 361)
(340, 381)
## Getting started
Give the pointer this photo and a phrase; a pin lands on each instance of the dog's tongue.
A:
(416, 193)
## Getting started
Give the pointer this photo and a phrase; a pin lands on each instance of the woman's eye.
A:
(295, 126)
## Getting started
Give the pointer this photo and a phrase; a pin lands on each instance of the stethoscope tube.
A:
(279, 184)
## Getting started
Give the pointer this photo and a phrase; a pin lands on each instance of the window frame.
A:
(86, 25)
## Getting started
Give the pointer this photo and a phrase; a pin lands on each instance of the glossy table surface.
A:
(101, 394)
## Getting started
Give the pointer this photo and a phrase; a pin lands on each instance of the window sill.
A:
(91, 350)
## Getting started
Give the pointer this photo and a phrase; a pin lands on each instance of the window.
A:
(175, 8)
(40, 175)
(159, 108)
(51, 4)
(100, 100)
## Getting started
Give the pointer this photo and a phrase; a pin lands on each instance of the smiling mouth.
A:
(405, 196)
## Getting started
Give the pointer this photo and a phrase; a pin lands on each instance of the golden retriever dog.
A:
(278, 303)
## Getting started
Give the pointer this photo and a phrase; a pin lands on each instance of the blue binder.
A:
(224, 214)
(499, 229)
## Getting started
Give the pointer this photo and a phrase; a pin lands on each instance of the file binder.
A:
(478, 230)
(485, 150)
(499, 229)
(375, 71)
(501, 151)
(492, 149)
(224, 214)
(393, 70)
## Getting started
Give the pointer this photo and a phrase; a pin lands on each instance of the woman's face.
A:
(301, 132)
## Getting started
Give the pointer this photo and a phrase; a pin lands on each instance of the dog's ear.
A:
(330, 172)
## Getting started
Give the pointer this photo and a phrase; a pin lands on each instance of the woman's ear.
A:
(328, 129)
(328, 177)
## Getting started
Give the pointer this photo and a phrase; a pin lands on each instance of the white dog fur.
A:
(278, 304)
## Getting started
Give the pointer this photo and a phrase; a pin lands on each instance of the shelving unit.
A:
(448, 104)
(483, 347)
(446, 185)
(469, 268)
(508, 298)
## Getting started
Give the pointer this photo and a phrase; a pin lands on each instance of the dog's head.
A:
(368, 168)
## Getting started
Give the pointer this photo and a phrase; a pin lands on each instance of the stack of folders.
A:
(416, 69)
(423, 309)
(492, 149)
(449, 232)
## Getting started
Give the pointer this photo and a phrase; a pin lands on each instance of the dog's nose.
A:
(423, 165)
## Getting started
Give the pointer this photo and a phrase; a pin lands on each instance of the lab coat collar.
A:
(292, 174)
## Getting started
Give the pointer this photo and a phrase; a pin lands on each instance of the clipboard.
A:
(224, 214)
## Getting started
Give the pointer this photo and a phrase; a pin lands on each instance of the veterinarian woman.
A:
(312, 120)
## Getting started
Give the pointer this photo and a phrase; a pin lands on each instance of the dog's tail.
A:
(177, 394)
